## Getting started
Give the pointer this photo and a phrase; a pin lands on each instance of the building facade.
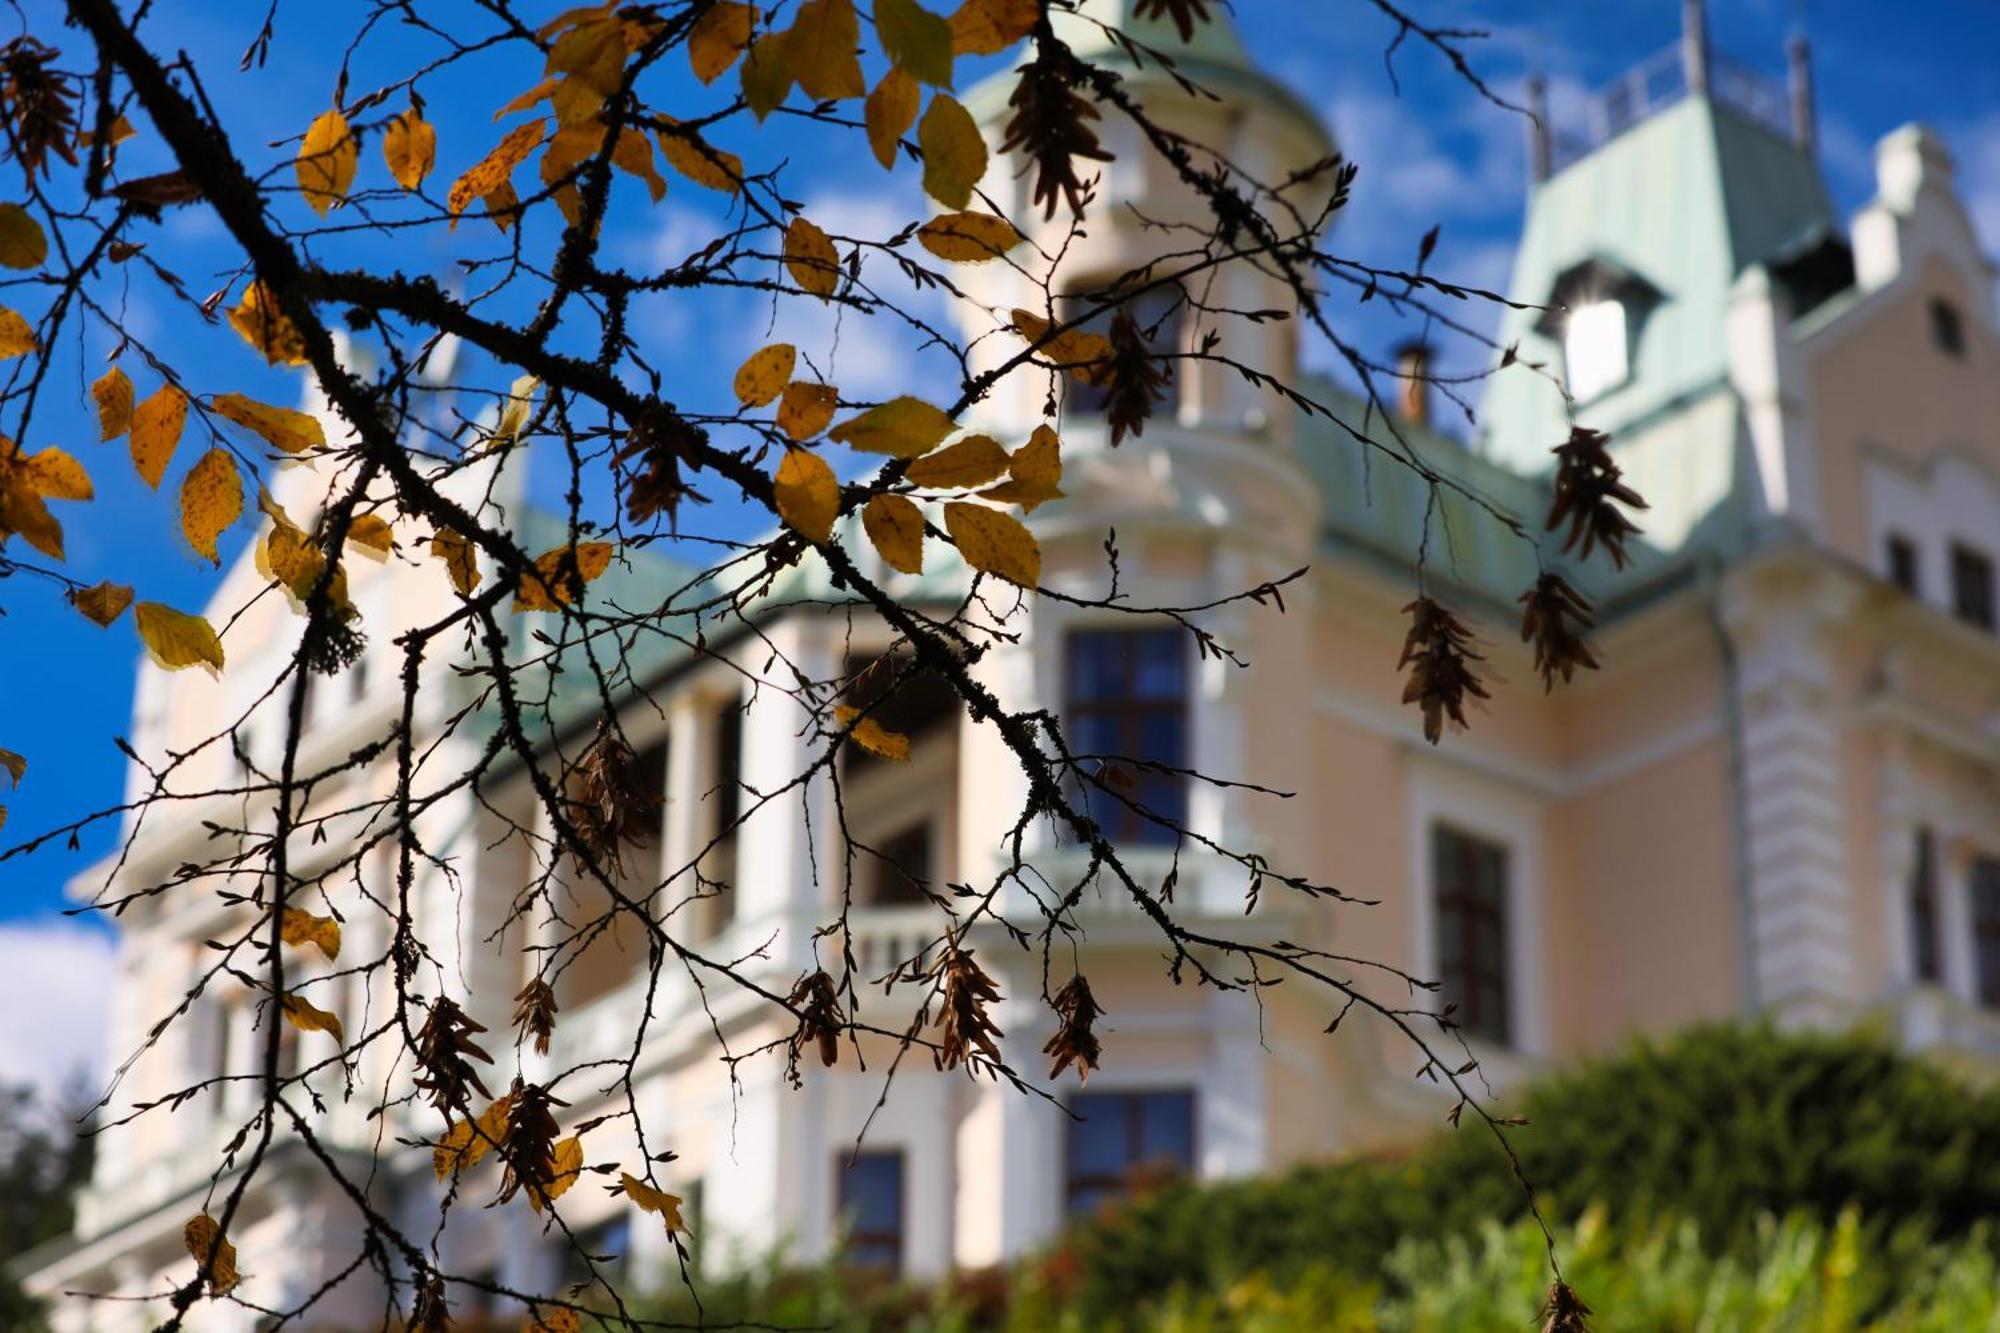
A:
(1779, 797)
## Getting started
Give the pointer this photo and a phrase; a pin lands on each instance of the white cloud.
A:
(55, 984)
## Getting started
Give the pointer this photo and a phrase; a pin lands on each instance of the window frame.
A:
(1903, 562)
(1947, 327)
(1978, 610)
(1622, 373)
(1924, 909)
(1075, 1183)
(1119, 821)
(1089, 401)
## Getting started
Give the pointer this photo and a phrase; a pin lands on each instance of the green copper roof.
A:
(1686, 200)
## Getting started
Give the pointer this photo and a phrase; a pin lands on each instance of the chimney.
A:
(1540, 156)
(1800, 79)
(1694, 47)
(1413, 367)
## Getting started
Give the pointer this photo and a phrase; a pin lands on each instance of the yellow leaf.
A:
(872, 736)
(915, 39)
(650, 1200)
(1035, 473)
(763, 376)
(502, 206)
(514, 413)
(569, 1165)
(972, 461)
(22, 508)
(22, 244)
(302, 1014)
(889, 112)
(103, 603)
(1080, 352)
(807, 494)
(298, 929)
(113, 395)
(469, 1140)
(16, 766)
(698, 160)
(633, 155)
(492, 171)
(202, 1235)
(289, 557)
(811, 258)
(156, 432)
(16, 338)
(175, 639)
(371, 533)
(805, 409)
(54, 473)
(767, 73)
(267, 328)
(823, 44)
(721, 34)
(905, 427)
(593, 54)
(554, 1320)
(988, 27)
(896, 526)
(293, 432)
(968, 238)
(551, 585)
(326, 162)
(460, 560)
(994, 543)
(410, 147)
(954, 152)
(211, 499)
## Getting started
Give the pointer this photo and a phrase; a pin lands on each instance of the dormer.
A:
(1595, 312)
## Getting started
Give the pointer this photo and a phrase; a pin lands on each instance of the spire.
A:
(1541, 155)
(1694, 46)
(1805, 129)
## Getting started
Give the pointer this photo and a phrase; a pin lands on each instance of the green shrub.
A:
(1717, 1126)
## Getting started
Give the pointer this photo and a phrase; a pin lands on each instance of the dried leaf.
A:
(492, 171)
(304, 1015)
(807, 494)
(1082, 353)
(293, 432)
(22, 242)
(889, 112)
(461, 561)
(102, 603)
(327, 160)
(954, 152)
(175, 639)
(112, 393)
(1034, 473)
(988, 27)
(211, 500)
(721, 34)
(371, 532)
(299, 928)
(202, 1235)
(156, 432)
(569, 1166)
(968, 238)
(810, 258)
(556, 575)
(266, 328)
(764, 375)
(872, 736)
(650, 1200)
(896, 527)
(467, 1141)
(16, 338)
(904, 427)
(410, 147)
(633, 155)
(972, 461)
(994, 543)
(805, 409)
(700, 161)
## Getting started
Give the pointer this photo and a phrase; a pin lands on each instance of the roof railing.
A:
(1658, 82)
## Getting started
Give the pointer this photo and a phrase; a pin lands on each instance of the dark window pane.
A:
(1986, 927)
(1469, 882)
(905, 864)
(1159, 313)
(902, 697)
(1099, 1144)
(871, 1206)
(1120, 1141)
(1167, 1129)
(1126, 698)
(1923, 909)
(728, 764)
(1947, 327)
(1902, 554)
(1972, 590)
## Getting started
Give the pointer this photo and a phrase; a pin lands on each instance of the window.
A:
(1986, 927)
(1947, 327)
(870, 1187)
(904, 698)
(1469, 881)
(645, 863)
(1924, 965)
(1596, 350)
(1122, 1141)
(1972, 586)
(1126, 698)
(1158, 311)
(720, 865)
(606, 1243)
(1902, 559)
(357, 679)
(899, 875)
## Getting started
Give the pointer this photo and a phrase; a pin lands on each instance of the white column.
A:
(777, 872)
(1231, 1132)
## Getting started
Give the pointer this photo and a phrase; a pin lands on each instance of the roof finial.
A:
(1540, 152)
(1805, 129)
(1694, 46)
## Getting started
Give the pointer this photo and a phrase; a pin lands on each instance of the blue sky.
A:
(1429, 151)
